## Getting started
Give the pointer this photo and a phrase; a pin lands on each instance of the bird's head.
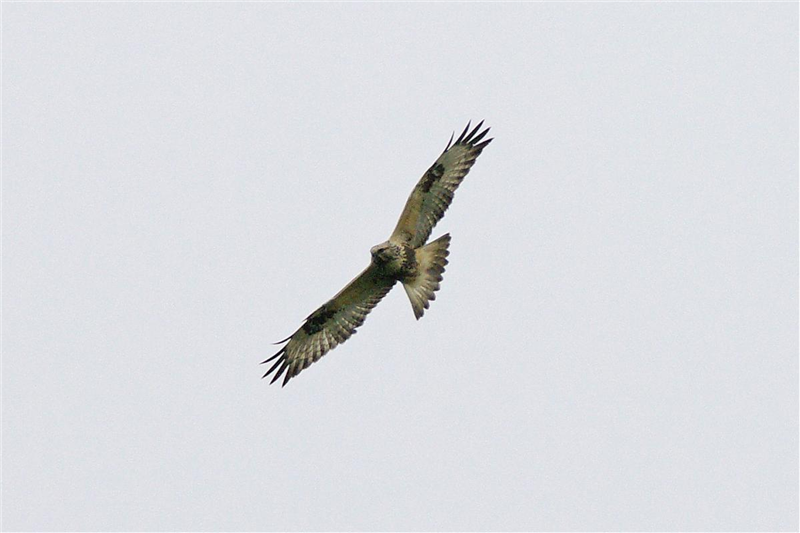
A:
(381, 253)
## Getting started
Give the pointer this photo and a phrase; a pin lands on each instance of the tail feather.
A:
(431, 260)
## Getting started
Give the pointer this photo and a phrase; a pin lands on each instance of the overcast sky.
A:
(615, 343)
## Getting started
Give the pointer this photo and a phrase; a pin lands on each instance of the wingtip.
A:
(484, 144)
(284, 363)
(480, 136)
(463, 133)
(280, 352)
(472, 136)
(468, 139)
(452, 135)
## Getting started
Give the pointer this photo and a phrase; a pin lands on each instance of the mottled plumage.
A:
(404, 257)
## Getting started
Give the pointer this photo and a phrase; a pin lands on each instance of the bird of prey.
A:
(404, 257)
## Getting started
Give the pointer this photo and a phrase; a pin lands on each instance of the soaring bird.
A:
(404, 257)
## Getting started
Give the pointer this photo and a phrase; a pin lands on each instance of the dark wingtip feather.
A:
(289, 376)
(268, 372)
(472, 137)
(480, 136)
(279, 372)
(282, 350)
(461, 137)
(446, 148)
(468, 139)
(481, 146)
(284, 340)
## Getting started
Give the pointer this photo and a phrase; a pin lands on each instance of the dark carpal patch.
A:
(318, 319)
(433, 174)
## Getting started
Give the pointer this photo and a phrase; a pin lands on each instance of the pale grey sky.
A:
(615, 344)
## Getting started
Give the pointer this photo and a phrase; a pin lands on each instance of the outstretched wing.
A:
(432, 195)
(331, 324)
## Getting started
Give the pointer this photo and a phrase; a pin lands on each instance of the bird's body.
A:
(404, 257)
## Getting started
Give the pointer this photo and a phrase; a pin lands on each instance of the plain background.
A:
(615, 343)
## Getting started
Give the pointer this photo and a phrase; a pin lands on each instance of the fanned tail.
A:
(431, 260)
